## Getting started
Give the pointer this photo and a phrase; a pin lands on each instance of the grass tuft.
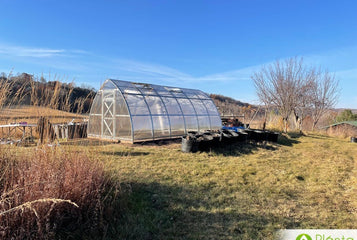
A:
(51, 193)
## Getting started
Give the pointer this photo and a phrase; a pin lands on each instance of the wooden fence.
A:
(70, 131)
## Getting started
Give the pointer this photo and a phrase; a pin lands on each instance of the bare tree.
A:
(293, 88)
(280, 85)
(324, 94)
(304, 99)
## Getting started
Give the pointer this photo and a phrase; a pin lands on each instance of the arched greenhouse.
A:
(136, 112)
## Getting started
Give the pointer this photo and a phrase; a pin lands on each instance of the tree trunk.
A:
(297, 121)
(300, 124)
(265, 119)
(285, 120)
(314, 125)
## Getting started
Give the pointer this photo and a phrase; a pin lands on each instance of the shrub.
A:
(52, 193)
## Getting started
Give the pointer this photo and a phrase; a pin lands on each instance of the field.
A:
(239, 191)
(31, 114)
(242, 191)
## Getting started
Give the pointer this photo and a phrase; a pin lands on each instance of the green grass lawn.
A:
(242, 191)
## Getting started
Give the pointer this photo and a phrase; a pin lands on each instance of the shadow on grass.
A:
(231, 147)
(125, 153)
(156, 211)
(162, 142)
(236, 148)
(288, 140)
(320, 136)
(86, 142)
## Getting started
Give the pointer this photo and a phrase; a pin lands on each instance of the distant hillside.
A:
(229, 106)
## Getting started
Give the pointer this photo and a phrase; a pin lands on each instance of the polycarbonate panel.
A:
(186, 106)
(190, 93)
(150, 109)
(108, 108)
(155, 105)
(162, 91)
(108, 85)
(211, 108)
(120, 83)
(191, 123)
(216, 122)
(137, 105)
(204, 123)
(108, 126)
(122, 127)
(120, 105)
(95, 125)
(148, 91)
(178, 94)
(172, 106)
(202, 95)
(97, 104)
(161, 126)
(177, 125)
(130, 90)
(199, 107)
(142, 127)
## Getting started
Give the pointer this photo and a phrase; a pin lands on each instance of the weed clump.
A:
(52, 193)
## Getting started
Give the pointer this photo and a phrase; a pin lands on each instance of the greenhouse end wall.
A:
(136, 112)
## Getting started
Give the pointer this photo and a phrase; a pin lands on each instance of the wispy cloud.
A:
(35, 52)
(157, 71)
(81, 60)
(90, 67)
(17, 51)
(149, 69)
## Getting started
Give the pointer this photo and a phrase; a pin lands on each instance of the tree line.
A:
(296, 90)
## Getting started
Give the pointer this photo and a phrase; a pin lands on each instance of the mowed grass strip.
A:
(242, 191)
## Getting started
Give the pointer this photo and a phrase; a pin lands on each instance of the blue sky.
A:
(211, 45)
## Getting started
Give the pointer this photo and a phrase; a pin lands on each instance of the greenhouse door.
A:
(108, 114)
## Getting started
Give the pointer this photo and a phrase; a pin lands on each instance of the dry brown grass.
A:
(30, 114)
(47, 193)
(342, 131)
(242, 191)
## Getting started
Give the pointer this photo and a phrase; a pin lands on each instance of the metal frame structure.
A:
(134, 112)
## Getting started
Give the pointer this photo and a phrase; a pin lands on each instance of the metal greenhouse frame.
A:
(134, 112)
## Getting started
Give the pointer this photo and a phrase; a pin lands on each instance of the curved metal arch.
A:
(147, 105)
(208, 115)
(194, 109)
(120, 86)
(126, 105)
(167, 113)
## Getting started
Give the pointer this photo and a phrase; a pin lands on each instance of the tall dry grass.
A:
(45, 95)
(52, 193)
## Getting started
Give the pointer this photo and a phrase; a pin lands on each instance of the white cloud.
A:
(73, 60)
(91, 67)
(29, 52)
(160, 72)
(149, 69)
(35, 52)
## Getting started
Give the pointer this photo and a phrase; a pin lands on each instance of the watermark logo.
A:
(304, 236)
(317, 234)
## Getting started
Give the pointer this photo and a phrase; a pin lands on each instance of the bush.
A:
(52, 193)
(346, 115)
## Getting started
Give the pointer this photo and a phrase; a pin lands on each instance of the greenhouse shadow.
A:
(236, 149)
(158, 211)
(125, 153)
